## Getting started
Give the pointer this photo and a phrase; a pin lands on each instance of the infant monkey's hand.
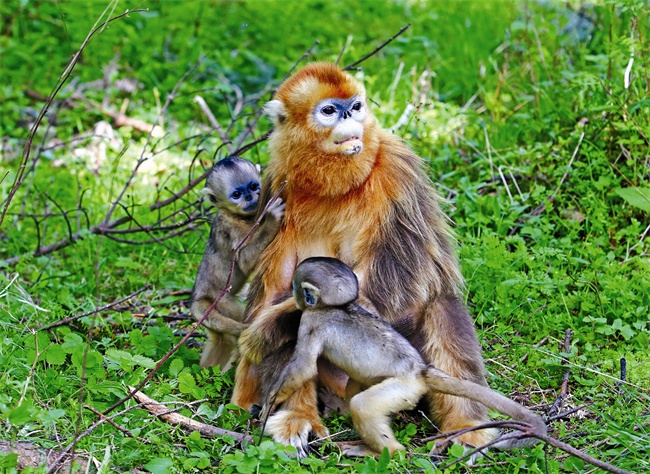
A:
(276, 209)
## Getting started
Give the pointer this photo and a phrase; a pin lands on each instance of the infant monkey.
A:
(375, 357)
(233, 186)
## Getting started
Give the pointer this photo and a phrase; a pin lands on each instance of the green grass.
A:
(529, 132)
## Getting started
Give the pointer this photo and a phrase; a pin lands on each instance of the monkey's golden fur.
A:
(375, 210)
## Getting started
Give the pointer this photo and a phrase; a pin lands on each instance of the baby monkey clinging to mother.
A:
(386, 370)
(233, 186)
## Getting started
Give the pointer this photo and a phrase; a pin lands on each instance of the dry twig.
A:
(63, 78)
(377, 49)
(524, 431)
(207, 431)
(555, 408)
(69, 319)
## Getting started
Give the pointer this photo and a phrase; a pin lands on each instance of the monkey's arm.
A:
(440, 381)
(303, 364)
(272, 328)
(298, 374)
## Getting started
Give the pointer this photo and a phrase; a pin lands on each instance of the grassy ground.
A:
(532, 130)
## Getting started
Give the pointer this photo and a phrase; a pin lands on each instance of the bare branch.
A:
(63, 78)
(377, 49)
(69, 319)
(162, 412)
(144, 158)
(213, 121)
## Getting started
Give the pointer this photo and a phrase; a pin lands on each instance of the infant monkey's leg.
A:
(223, 327)
(371, 410)
(218, 349)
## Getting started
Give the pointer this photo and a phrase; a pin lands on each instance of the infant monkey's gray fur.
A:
(233, 186)
(390, 374)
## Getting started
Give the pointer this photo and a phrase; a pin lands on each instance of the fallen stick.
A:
(164, 413)
(564, 390)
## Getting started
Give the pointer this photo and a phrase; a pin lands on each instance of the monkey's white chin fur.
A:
(349, 147)
(353, 147)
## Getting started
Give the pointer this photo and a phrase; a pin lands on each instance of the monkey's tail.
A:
(439, 381)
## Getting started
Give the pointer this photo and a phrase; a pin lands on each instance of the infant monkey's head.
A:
(320, 282)
(234, 185)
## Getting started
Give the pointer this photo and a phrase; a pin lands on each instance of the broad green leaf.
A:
(456, 450)
(186, 383)
(73, 342)
(159, 466)
(51, 415)
(175, 367)
(55, 355)
(384, 459)
(637, 197)
(8, 462)
(143, 361)
(23, 413)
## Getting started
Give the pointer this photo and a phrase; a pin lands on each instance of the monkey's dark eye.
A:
(328, 110)
(236, 195)
(356, 106)
(254, 187)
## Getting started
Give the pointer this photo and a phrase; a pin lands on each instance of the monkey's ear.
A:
(276, 112)
(258, 168)
(209, 195)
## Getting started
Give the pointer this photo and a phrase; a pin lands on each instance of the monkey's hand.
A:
(276, 209)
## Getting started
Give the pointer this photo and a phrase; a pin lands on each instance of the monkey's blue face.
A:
(245, 196)
(344, 117)
(331, 111)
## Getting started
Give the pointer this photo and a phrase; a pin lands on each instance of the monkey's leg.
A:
(332, 383)
(298, 417)
(220, 346)
(218, 349)
(247, 391)
(452, 346)
(371, 410)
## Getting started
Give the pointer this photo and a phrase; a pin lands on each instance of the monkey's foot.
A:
(293, 429)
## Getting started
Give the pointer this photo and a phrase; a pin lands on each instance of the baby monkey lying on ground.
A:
(233, 186)
(375, 357)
